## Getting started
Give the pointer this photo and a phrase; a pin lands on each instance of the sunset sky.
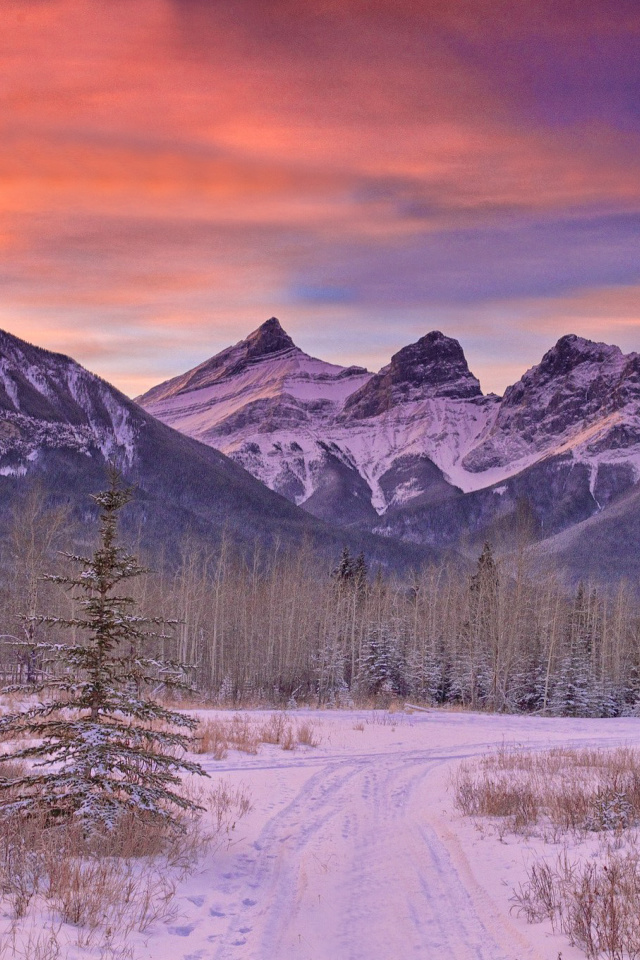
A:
(174, 172)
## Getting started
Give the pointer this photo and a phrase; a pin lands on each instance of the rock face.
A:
(268, 341)
(60, 423)
(577, 396)
(416, 450)
(48, 402)
(342, 442)
(433, 367)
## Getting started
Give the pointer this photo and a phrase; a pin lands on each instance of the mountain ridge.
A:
(436, 466)
(417, 451)
(61, 424)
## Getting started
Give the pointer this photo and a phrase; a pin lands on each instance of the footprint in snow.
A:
(216, 913)
(182, 931)
(197, 902)
(248, 903)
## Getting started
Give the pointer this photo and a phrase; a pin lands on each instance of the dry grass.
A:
(37, 943)
(594, 900)
(228, 804)
(560, 790)
(107, 887)
(306, 735)
(217, 735)
(275, 729)
(212, 739)
(596, 905)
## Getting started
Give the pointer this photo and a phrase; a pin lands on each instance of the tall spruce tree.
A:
(103, 746)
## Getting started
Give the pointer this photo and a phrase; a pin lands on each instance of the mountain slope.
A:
(605, 547)
(60, 423)
(344, 443)
(417, 451)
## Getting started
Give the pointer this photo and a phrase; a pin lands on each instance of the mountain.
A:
(342, 442)
(417, 451)
(60, 424)
(563, 443)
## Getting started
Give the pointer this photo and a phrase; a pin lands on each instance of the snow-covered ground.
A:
(353, 849)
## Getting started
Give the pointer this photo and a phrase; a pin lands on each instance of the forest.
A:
(285, 627)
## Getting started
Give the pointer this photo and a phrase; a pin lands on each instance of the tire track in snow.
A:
(459, 752)
(348, 870)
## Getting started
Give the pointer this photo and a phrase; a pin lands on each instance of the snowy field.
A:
(353, 850)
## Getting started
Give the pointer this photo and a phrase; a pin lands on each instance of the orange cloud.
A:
(175, 165)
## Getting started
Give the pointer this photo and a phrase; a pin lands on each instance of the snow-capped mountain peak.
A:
(434, 366)
(349, 445)
(265, 343)
(567, 402)
(326, 436)
(269, 338)
(49, 402)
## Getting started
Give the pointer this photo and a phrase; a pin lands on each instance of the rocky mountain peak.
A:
(434, 366)
(573, 362)
(571, 351)
(576, 385)
(267, 339)
(437, 362)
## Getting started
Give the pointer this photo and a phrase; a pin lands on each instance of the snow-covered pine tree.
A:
(103, 747)
(344, 570)
(383, 663)
(360, 572)
(575, 690)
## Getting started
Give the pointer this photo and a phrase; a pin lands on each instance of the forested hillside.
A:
(287, 626)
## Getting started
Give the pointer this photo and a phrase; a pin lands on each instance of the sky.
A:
(174, 172)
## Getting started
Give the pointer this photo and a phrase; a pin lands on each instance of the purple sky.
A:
(176, 171)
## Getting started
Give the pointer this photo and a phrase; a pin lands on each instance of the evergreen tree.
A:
(103, 747)
(482, 632)
(526, 691)
(360, 571)
(345, 570)
(383, 663)
(575, 689)
(573, 692)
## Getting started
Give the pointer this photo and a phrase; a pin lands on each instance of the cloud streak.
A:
(175, 171)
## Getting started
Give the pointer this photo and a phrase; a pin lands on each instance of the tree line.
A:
(285, 628)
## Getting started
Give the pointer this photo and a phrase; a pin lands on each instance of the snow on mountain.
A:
(344, 442)
(581, 401)
(350, 445)
(262, 382)
(414, 452)
(59, 424)
(49, 402)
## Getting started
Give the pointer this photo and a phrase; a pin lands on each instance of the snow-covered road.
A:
(350, 868)
(353, 850)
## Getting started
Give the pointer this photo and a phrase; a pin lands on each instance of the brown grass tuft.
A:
(597, 905)
(217, 735)
(561, 790)
(105, 885)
